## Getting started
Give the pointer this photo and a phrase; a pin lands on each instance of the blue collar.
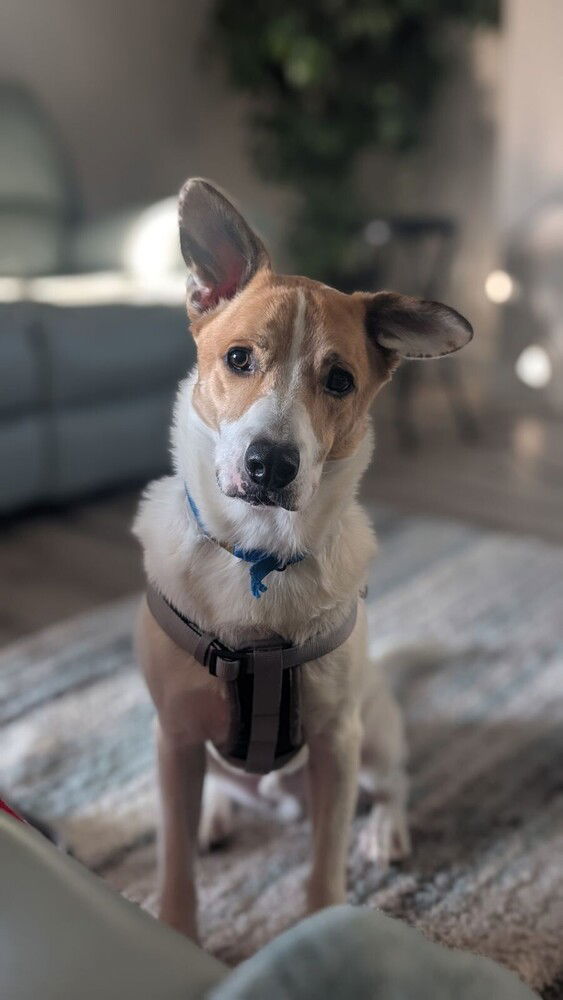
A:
(262, 562)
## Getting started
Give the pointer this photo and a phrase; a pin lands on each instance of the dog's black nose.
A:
(272, 466)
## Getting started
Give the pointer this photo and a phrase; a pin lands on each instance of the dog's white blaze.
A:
(295, 414)
(260, 420)
(294, 364)
(280, 415)
(302, 426)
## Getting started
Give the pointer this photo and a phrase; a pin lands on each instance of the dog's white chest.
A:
(213, 588)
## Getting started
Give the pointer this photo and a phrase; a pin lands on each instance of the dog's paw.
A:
(217, 815)
(385, 836)
(287, 808)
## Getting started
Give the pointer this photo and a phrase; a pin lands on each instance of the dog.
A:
(271, 435)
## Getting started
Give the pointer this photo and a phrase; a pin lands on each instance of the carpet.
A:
(484, 714)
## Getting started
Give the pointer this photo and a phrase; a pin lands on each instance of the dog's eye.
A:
(239, 359)
(339, 382)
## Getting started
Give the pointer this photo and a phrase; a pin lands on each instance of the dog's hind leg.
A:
(225, 788)
(217, 813)
(385, 835)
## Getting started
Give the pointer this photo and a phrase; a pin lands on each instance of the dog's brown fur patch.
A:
(263, 318)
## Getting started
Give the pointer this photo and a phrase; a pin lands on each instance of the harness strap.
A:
(266, 661)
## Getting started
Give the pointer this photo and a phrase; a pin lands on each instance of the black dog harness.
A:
(262, 682)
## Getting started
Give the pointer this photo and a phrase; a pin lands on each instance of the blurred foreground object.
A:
(65, 934)
(92, 326)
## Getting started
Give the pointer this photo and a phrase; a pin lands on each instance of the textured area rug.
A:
(484, 718)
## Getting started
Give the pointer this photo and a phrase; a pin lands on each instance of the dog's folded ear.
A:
(415, 328)
(220, 249)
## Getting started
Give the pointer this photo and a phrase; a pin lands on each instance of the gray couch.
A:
(88, 362)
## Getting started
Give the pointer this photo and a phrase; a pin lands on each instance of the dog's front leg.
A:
(181, 771)
(333, 770)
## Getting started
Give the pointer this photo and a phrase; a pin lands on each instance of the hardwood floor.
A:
(54, 564)
(509, 478)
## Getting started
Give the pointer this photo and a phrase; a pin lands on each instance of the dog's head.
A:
(288, 367)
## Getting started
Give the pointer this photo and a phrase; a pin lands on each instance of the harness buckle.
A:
(222, 662)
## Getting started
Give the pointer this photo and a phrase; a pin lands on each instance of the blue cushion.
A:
(23, 459)
(21, 377)
(111, 442)
(107, 352)
(356, 953)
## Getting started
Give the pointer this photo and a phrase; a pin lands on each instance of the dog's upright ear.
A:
(220, 249)
(415, 328)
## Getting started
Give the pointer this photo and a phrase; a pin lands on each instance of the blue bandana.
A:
(261, 562)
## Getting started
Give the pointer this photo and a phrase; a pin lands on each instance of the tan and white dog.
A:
(271, 433)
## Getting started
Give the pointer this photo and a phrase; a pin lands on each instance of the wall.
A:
(142, 102)
(530, 195)
(139, 100)
(530, 164)
(454, 173)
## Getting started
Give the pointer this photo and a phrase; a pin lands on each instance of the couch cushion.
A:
(108, 352)
(23, 461)
(21, 370)
(110, 443)
(59, 455)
